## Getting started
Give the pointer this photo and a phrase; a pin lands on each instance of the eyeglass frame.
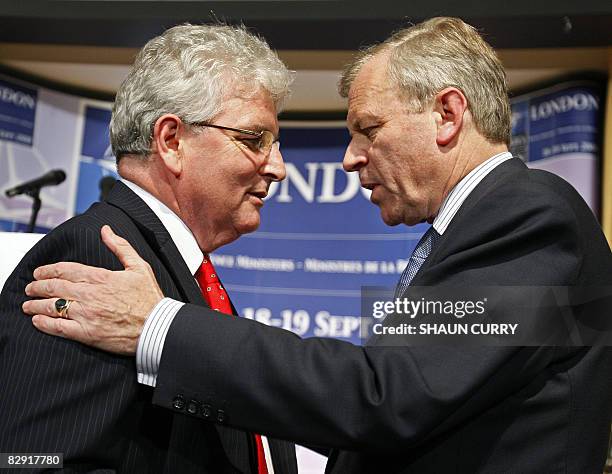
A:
(244, 131)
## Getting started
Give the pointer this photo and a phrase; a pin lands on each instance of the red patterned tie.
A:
(216, 297)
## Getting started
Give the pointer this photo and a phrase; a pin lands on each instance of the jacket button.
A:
(206, 410)
(178, 402)
(220, 416)
(192, 407)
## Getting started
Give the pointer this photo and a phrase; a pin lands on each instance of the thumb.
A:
(122, 249)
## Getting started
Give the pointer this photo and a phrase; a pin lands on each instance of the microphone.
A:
(51, 178)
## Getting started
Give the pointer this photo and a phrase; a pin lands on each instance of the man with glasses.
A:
(195, 132)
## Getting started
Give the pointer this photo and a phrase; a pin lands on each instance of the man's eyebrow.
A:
(360, 119)
(359, 126)
(354, 122)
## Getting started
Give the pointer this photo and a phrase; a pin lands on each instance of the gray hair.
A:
(444, 52)
(189, 71)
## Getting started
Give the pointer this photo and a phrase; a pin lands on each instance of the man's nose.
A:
(274, 166)
(354, 157)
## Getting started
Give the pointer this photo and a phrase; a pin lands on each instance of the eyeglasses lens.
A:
(266, 141)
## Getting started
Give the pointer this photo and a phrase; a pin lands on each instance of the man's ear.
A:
(167, 135)
(449, 105)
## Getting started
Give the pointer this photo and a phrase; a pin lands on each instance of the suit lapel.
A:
(445, 244)
(159, 239)
(235, 443)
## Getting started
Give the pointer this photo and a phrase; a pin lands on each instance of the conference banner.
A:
(558, 129)
(320, 240)
(37, 134)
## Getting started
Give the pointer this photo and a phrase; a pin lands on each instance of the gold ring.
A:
(61, 306)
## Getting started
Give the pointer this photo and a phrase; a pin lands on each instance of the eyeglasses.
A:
(261, 142)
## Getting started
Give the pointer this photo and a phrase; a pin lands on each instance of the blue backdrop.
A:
(320, 239)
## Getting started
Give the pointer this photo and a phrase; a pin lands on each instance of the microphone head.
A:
(50, 178)
(56, 176)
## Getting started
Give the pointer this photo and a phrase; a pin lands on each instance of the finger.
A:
(53, 288)
(45, 307)
(70, 271)
(121, 248)
(59, 327)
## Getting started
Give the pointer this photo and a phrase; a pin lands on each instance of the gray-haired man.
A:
(195, 132)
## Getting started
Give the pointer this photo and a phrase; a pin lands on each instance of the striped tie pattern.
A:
(421, 252)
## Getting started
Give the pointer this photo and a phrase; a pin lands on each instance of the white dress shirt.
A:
(150, 344)
(462, 190)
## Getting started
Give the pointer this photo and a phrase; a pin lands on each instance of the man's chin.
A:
(389, 219)
(395, 218)
(250, 225)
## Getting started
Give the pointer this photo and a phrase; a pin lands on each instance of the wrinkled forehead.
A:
(250, 107)
(245, 92)
(371, 91)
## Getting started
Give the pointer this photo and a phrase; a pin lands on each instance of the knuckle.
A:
(59, 269)
(49, 286)
(48, 271)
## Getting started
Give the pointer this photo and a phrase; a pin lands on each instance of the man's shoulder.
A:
(513, 191)
(524, 225)
(78, 240)
(83, 230)
(96, 216)
(545, 199)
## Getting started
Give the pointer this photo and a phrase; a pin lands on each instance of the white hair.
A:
(189, 71)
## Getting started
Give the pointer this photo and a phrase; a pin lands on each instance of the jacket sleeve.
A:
(331, 393)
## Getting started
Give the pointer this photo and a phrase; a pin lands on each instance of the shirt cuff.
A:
(151, 341)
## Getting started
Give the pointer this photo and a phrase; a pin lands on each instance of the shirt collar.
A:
(180, 234)
(462, 190)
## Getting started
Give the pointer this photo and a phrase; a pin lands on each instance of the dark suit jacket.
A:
(60, 396)
(430, 409)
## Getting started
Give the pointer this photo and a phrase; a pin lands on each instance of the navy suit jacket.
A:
(60, 396)
(430, 409)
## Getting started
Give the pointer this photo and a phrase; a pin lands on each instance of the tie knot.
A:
(425, 245)
(207, 272)
(420, 253)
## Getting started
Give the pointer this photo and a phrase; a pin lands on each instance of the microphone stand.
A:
(34, 194)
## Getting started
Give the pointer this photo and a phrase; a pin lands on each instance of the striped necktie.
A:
(421, 252)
